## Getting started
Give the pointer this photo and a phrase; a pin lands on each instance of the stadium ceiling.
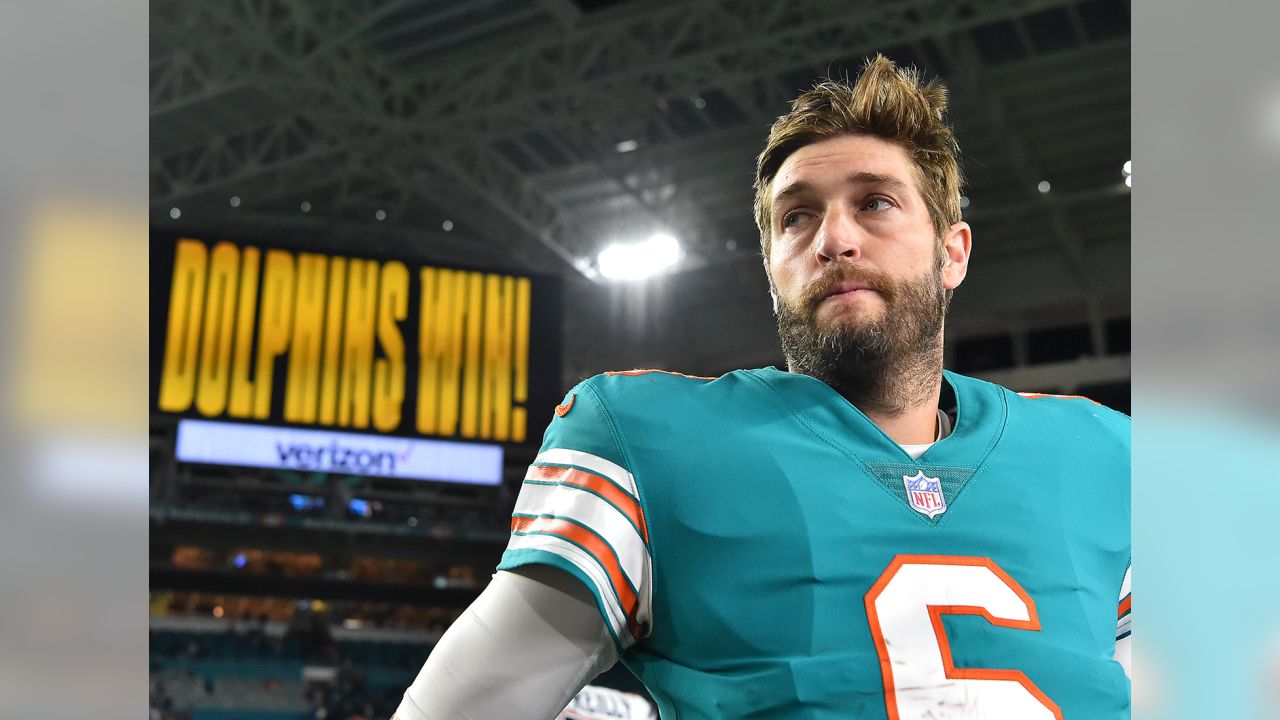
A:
(537, 131)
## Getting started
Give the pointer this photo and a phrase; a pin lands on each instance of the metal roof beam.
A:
(969, 87)
(223, 160)
(968, 82)
(510, 91)
(347, 81)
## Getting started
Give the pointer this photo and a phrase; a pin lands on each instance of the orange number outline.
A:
(944, 646)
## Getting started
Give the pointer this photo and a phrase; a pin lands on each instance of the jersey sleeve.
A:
(579, 510)
(1124, 623)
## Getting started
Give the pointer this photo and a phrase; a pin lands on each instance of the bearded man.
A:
(863, 535)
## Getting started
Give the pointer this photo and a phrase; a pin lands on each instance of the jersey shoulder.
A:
(1070, 415)
(608, 413)
(639, 397)
(646, 386)
(598, 413)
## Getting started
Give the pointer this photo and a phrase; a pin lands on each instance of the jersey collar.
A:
(981, 413)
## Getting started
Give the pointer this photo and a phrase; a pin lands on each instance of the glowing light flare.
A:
(627, 262)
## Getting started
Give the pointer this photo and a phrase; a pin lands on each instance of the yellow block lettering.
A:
(521, 360)
(443, 309)
(357, 345)
(495, 395)
(333, 341)
(214, 376)
(471, 369)
(302, 392)
(240, 402)
(186, 303)
(388, 374)
(273, 324)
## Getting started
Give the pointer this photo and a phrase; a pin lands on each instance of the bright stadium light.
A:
(625, 262)
(1128, 167)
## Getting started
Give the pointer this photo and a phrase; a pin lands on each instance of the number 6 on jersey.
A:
(905, 609)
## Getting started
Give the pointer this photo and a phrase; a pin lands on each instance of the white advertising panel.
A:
(220, 443)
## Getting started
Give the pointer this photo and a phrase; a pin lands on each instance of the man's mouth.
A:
(845, 289)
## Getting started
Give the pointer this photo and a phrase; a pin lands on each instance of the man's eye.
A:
(877, 204)
(793, 218)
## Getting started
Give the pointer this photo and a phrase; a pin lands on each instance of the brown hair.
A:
(886, 102)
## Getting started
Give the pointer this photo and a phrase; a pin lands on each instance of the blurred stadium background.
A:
(517, 158)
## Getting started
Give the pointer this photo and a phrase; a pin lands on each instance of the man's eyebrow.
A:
(859, 178)
(876, 179)
(796, 188)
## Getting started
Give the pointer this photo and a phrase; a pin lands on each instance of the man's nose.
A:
(839, 238)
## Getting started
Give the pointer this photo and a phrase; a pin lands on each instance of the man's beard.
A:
(887, 364)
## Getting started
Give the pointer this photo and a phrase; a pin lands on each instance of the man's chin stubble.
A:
(857, 355)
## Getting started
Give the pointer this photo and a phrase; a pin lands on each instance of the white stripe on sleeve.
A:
(594, 463)
(589, 509)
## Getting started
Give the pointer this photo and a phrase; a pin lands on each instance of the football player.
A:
(860, 535)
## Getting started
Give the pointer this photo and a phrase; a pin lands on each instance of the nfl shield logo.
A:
(925, 494)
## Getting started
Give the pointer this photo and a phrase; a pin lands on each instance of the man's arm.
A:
(521, 651)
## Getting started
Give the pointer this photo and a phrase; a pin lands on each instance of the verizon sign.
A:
(221, 443)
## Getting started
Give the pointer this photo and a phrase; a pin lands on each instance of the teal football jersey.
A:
(760, 549)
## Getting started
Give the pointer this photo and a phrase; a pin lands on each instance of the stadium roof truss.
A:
(543, 129)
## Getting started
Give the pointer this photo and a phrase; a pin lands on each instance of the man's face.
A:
(854, 260)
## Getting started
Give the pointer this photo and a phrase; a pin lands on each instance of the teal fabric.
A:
(774, 505)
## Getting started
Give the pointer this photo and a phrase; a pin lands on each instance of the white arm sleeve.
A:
(522, 650)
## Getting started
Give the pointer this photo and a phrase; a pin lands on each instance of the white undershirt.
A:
(918, 449)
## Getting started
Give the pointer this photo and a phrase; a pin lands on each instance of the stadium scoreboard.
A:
(269, 334)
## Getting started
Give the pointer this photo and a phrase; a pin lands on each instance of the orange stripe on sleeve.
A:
(1034, 396)
(646, 371)
(593, 544)
(1125, 606)
(614, 494)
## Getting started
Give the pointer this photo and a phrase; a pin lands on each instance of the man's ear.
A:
(957, 244)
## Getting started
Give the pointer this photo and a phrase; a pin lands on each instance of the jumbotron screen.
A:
(275, 357)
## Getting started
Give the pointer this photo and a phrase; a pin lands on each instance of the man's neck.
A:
(915, 425)
(906, 410)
